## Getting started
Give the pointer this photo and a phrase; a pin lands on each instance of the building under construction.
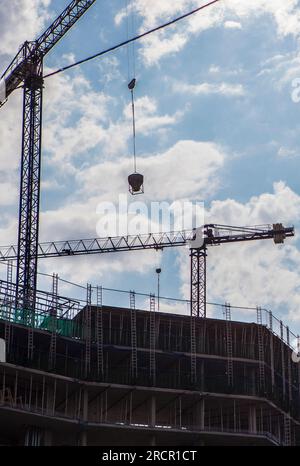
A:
(99, 375)
(74, 373)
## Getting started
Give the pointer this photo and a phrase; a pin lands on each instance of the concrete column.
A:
(33, 436)
(200, 414)
(202, 376)
(153, 411)
(252, 420)
(253, 381)
(48, 438)
(153, 441)
(85, 405)
(49, 399)
(83, 439)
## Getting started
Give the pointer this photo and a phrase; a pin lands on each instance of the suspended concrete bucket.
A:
(136, 181)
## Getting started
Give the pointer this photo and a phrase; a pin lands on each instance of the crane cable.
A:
(131, 87)
(133, 39)
(131, 69)
(130, 30)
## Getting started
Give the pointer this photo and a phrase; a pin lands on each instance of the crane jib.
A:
(151, 241)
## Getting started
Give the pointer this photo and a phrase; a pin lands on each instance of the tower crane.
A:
(26, 71)
(197, 240)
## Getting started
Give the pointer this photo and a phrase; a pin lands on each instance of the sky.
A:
(217, 105)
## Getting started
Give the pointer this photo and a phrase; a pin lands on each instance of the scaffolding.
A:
(152, 338)
(134, 363)
(193, 350)
(99, 333)
(88, 329)
(229, 344)
(8, 300)
(261, 353)
(154, 369)
(53, 310)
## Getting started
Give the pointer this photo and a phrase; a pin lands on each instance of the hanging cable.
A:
(131, 87)
(133, 39)
(133, 30)
(135, 180)
(127, 36)
(131, 70)
(130, 31)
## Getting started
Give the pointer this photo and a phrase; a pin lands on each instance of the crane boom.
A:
(210, 235)
(213, 235)
(18, 69)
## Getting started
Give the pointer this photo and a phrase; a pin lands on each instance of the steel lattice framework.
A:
(30, 185)
(26, 70)
(211, 235)
(198, 282)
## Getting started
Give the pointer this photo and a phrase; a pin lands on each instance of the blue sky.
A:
(215, 122)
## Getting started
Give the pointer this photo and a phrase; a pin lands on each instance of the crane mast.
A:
(27, 70)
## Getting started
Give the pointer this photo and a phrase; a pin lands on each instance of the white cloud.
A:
(102, 268)
(159, 45)
(189, 169)
(228, 13)
(20, 20)
(8, 193)
(77, 120)
(10, 149)
(286, 14)
(8, 230)
(74, 116)
(214, 69)
(281, 70)
(147, 116)
(282, 205)
(232, 25)
(287, 152)
(225, 89)
(10, 133)
(51, 184)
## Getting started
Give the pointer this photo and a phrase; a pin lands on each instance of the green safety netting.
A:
(64, 327)
(20, 316)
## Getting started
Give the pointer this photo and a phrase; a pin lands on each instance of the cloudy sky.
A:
(217, 120)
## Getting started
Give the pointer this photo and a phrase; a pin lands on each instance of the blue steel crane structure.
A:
(26, 70)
